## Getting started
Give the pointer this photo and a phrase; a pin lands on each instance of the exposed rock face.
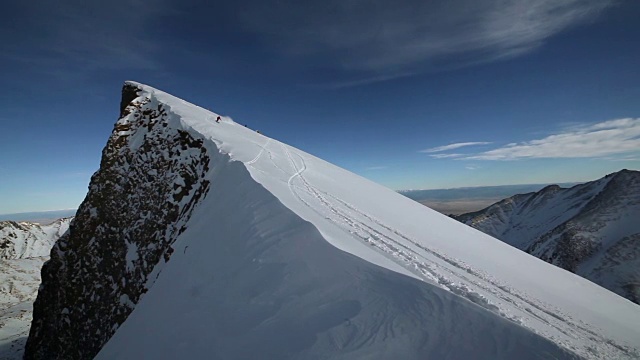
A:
(138, 203)
(21, 240)
(590, 229)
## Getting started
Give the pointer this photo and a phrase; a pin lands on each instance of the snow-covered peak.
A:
(275, 253)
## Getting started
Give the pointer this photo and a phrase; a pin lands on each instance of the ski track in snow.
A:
(375, 225)
(433, 266)
(262, 150)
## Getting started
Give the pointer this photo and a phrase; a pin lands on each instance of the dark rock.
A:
(122, 233)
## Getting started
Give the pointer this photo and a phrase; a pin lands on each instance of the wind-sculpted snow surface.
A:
(590, 229)
(290, 257)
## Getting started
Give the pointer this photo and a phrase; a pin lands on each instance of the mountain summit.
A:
(200, 239)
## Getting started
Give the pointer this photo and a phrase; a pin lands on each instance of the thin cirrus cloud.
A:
(620, 136)
(382, 37)
(445, 156)
(623, 158)
(76, 36)
(452, 147)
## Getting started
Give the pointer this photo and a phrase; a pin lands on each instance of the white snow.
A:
(19, 281)
(258, 272)
(28, 239)
(25, 248)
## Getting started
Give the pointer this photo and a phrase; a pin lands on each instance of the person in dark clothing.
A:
(218, 119)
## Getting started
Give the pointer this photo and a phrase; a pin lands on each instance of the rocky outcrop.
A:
(151, 178)
(588, 229)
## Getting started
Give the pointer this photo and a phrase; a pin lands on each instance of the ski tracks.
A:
(262, 150)
(450, 273)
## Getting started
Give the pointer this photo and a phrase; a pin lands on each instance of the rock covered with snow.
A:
(591, 229)
(230, 244)
(150, 179)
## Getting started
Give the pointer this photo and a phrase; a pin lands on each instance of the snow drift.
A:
(274, 253)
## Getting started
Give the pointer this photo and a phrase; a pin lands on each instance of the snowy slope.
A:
(24, 247)
(19, 281)
(19, 240)
(288, 256)
(591, 229)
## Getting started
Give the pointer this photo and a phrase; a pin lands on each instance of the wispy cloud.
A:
(452, 147)
(76, 36)
(403, 36)
(601, 139)
(445, 156)
(622, 158)
(365, 81)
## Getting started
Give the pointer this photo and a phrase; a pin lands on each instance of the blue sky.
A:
(537, 91)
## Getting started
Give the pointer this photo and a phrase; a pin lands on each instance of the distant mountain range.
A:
(41, 217)
(591, 229)
(467, 199)
(476, 192)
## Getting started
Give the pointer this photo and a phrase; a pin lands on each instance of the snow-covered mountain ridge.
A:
(590, 229)
(200, 239)
(19, 240)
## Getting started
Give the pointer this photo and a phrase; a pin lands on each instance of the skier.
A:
(218, 119)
